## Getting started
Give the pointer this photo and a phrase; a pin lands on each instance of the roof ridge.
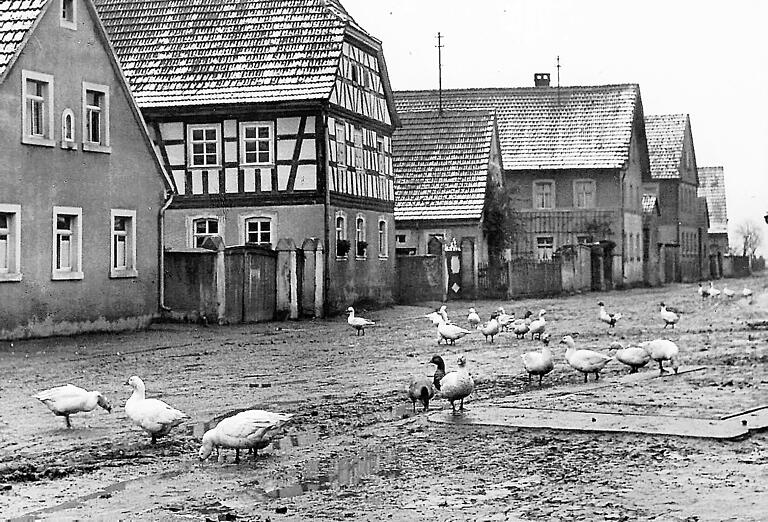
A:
(521, 88)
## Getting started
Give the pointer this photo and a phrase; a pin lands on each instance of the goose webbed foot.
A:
(66, 420)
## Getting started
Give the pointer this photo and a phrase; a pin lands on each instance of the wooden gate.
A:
(250, 278)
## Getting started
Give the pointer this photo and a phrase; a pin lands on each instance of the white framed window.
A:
(544, 194)
(95, 117)
(544, 248)
(10, 242)
(361, 245)
(68, 11)
(67, 258)
(342, 243)
(68, 129)
(257, 143)
(203, 146)
(258, 231)
(37, 109)
(203, 227)
(123, 244)
(383, 230)
(341, 144)
(400, 238)
(584, 193)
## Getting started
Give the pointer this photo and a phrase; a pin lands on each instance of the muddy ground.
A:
(355, 451)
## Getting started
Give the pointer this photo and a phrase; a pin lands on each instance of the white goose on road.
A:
(669, 317)
(585, 361)
(250, 429)
(70, 399)
(662, 350)
(538, 326)
(358, 323)
(152, 415)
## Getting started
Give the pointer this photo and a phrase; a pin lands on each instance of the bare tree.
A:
(750, 237)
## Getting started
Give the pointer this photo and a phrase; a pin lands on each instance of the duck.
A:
(538, 363)
(421, 389)
(473, 318)
(537, 327)
(713, 292)
(250, 429)
(661, 350)
(585, 361)
(152, 415)
(456, 385)
(358, 323)
(450, 332)
(504, 318)
(702, 292)
(69, 399)
(670, 317)
(491, 328)
(633, 356)
(607, 318)
(521, 326)
(727, 292)
(443, 311)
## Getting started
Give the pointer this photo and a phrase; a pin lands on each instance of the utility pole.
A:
(439, 74)
(558, 80)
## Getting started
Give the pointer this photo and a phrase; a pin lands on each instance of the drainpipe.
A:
(623, 228)
(161, 278)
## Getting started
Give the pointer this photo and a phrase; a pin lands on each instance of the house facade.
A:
(576, 157)
(448, 171)
(712, 188)
(278, 131)
(80, 185)
(674, 180)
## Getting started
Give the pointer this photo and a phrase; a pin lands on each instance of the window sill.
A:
(361, 258)
(123, 274)
(203, 167)
(255, 165)
(383, 257)
(10, 277)
(342, 258)
(97, 147)
(69, 145)
(37, 140)
(66, 276)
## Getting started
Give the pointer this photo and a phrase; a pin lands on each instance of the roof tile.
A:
(665, 134)
(16, 18)
(712, 187)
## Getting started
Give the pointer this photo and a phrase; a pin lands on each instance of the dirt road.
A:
(355, 451)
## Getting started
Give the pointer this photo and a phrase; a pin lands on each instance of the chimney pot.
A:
(541, 79)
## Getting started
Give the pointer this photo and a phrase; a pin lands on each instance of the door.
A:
(259, 288)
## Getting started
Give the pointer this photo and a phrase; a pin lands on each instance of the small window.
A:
(10, 243)
(341, 144)
(361, 244)
(543, 194)
(203, 228)
(380, 154)
(383, 238)
(400, 238)
(583, 240)
(203, 145)
(37, 110)
(123, 254)
(68, 129)
(95, 117)
(68, 14)
(67, 243)
(342, 244)
(258, 231)
(256, 143)
(584, 193)
(544, 248)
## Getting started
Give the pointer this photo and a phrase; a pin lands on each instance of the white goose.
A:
(491, 328)
(670, 317)
(250, 429)
(727, 292)
(152, 415)
(504, 318)
(585, 361)
(633, 356)
(538, 363)
(662, 350)
(747, 294)
(473, 318)
(450, 332)
(358, 323)
(607, 318)
(538, 326)
(713, 292)
(69, 399)
(455, 385)
(435, 317)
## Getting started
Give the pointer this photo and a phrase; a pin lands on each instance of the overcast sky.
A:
(705, 58)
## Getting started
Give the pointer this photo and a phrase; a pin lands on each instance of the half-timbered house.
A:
(712, 188)
(275, 120)
(80, 185)
(576, 156)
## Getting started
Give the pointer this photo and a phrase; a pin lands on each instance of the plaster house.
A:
(712, 188)
(576, 157)
(653, 273)
(80, 185)
(275, 121)
(447, 169)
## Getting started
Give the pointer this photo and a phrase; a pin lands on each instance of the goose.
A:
(251, 429)
(504, 318)
(633, 356)
(435, 317)
(491, 328)
(661, 350)
(152, 415)
(713, 292)
(443, 311)
(585, 361)
(538, 363)
(747, 294)
(727, 292)
(520, 329)
(450, 332)
(537, 327)
(69, 399)
(702, 292)
(358, 323)
(455, 385)
(439, 372)
(473, 318)
(421, 389)
(670, 317)
(607, 318)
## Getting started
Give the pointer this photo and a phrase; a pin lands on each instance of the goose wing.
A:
(65, 399)
(588, 360)
(154, 415)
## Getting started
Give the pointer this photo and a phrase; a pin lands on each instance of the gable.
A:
(359, 86)
(712, 187)
(666, 136)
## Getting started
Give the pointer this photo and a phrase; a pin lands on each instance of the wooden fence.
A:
(534, 278)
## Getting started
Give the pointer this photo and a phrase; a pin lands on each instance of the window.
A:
(203, 228)
(10, 243)
(583, 240)
(400, 238)
(584, 193)
(543, 194)
(358, 147)
(95, 117)
(67, 244)
(203, 145)
(342, 244)
(37, 111)
(383, 239)
(123, 248)
(544, 248)
(256, 143)
(360, 243)
(68, 14)
(68, 129)
(341, 144)
(380, 154)
(258, 231)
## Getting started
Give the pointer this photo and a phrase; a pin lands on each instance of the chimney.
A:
(541, 79)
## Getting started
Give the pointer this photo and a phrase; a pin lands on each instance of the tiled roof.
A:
(665, 135)
(441, 164)
(547, 127)
(16, 19)
(649, 203)
(183, 52)
(712, 187)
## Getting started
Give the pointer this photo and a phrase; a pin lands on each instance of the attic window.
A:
(68, 14)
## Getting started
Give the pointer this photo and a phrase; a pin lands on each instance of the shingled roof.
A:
(650, 204)
(712, 187)
(665, 134)
(441, 164)
(16, 19)
(182, 52)
(549, 127)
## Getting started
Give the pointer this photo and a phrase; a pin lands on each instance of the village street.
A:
(354, 450)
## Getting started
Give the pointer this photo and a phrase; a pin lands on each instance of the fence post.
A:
(287, 279)
(319, 278)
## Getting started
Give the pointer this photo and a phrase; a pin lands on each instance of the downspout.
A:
(161, 220)
(327, 212)
(623, 228)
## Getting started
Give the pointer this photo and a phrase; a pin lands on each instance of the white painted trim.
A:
(103, 145)
(70, 144)
(241, 143)
(360, 216)
(383, 253)
(66, 24)
(26, 138)
(14, 270)
(190, 226)
(554, 194)
(77, 270)
(594, 192)
(344, 233)
(219, 133)
(130, 270)
(266, 216)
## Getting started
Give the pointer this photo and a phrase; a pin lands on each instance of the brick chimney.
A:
(541, 79)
